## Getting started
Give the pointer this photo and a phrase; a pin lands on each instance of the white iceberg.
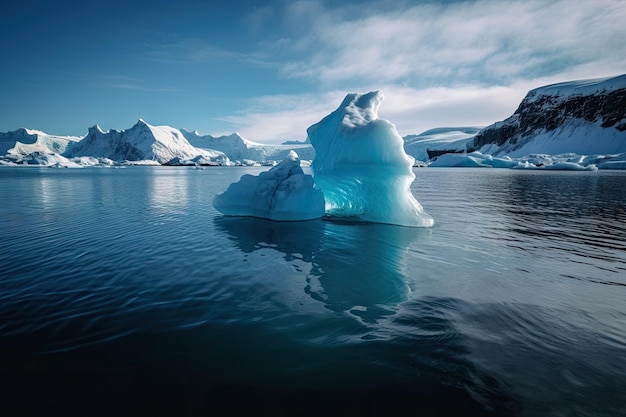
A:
(563, 162)
(284, 193)
(361, 166)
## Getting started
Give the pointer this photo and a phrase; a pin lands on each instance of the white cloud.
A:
(483, 42)
(273, 119)
(466, 63)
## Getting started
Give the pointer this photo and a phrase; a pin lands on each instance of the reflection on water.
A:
(355, 268)
(168, 191)
(293, 239)
(512, 304)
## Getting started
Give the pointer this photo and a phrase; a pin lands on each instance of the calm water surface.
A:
(122, 291)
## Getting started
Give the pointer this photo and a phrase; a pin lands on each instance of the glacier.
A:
(283, 193)
(361, 166)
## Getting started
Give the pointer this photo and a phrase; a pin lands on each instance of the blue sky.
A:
(269, 69)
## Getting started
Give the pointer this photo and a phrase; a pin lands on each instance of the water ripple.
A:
(515, 297)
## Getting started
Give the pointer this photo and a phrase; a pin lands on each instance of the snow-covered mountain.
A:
(141, 142)
(237, 148)
(580, 122)
(582, 117)
(21, 142)
(165, 144)
(428, 144)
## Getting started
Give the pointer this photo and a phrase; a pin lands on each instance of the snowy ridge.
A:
(143, 141)
(587, 116)
(244, 151)
(565, 90)
(22, 142)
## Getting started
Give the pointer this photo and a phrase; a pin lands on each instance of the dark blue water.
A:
(123, 292)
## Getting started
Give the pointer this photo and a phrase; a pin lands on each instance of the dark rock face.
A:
(432, 154)
(497, 134)
(549, 112)
(542, 112)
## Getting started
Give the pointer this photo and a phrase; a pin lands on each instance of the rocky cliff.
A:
(581, 117)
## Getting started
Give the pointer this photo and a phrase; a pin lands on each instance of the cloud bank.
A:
(438, 64)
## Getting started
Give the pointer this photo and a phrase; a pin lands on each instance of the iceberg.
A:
(284, 193)
(361, 166)
(563, 162)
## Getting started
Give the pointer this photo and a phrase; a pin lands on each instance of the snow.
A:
(241, 151)
(440, 139)
(22, 142)
(284, 193)
(617, 164)
(568, 89)
(141, 142)
(563, 162)
(576, 136)
(363, 169)
(361, 166)
(48, 159)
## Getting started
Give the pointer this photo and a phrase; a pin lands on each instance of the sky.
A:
(269, 69)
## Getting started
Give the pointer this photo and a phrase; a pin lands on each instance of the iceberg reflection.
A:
(355, 268)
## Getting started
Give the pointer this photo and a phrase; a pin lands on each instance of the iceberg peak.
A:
(361, 166)
(361, 109)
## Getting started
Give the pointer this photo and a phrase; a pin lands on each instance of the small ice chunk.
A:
(284, 193)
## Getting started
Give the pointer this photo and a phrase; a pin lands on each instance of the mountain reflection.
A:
(355, 268)
(168, 190)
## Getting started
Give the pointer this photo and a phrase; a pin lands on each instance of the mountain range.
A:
(585, 117)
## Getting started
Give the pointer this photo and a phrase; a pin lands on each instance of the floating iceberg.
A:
(283, 193)
(563, 162)
(361, 166)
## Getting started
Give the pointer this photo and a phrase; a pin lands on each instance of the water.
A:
(122, 291)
